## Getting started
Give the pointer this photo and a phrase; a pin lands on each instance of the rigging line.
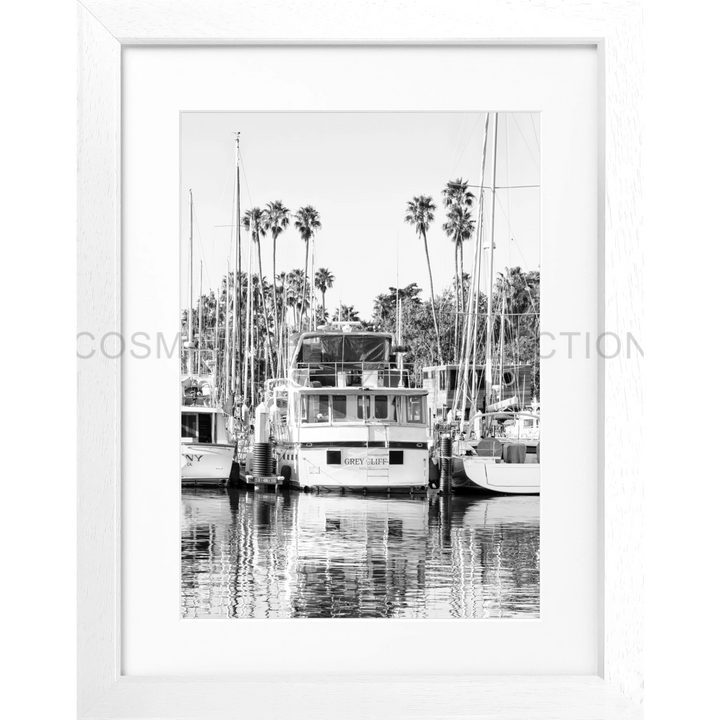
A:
(537, 142)
(507, 174)
(522, 135)
(196, 224)
(457, 143)
(511, 187)
(512, 239)
(467, 142)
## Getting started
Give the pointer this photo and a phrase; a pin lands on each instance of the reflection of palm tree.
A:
(253, 221)
(324, 280)
(307, 222)
(420, 212)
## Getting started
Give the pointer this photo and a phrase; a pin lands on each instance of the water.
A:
(261, 555)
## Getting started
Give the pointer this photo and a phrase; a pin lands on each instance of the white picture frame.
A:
(104, 27)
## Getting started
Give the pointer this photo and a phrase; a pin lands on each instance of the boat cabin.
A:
(512, 390)
(203, 425)
(523, 427)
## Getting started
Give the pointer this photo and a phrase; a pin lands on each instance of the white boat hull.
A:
(357, 469)
(487, 474)
(205, 463)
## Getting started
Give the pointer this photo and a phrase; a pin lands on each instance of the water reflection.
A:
(261, 555)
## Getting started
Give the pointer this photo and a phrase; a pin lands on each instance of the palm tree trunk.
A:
(323, 306)
(462, 289)
(432, 300)
(276, 314)
(305, 278)
(457, 305)
(262, 297)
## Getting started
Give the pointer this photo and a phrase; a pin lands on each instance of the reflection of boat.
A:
(500, 510)
(267, 555)
(345, 417)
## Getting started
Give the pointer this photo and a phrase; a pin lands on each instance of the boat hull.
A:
(355, 469)
(487, 474)
(205, 463)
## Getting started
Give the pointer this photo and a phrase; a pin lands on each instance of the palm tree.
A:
(275, 221)
(346, 313)
(420, 212)
(459, 227)
(307, 223)
(458, 199)
(324, 280)
(295, 287)
(253, 221)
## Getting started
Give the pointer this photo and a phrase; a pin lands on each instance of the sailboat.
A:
(206, 453)
(505, 457)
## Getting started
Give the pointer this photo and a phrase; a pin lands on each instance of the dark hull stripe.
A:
(361, 444)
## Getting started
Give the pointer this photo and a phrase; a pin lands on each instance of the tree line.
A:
(433, 330)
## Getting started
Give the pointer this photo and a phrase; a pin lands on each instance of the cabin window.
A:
(339, 408)
(442, 380)
(205, 423)
(198, 426)
(363, 407)
(316, 409)
(414, 406)
(189, 427)
(452, 379)
(386, 408)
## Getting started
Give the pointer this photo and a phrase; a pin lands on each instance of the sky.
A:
(358, 170)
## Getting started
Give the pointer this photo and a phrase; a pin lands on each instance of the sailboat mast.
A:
(501, 353)
(236, 280)
(480, 240)
(226, 336)
(470, 330)
(216, 355)
(312, 286)
(488, 339)
(248, 325)
(191, 354)
(200, 321)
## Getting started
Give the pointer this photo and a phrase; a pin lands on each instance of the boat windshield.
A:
(341, 408)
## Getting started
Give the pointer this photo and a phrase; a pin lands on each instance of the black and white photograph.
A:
(360, 367)
(310, 237)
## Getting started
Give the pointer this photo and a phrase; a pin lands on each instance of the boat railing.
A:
(198, 400)
(279, 431)
(353, 374)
